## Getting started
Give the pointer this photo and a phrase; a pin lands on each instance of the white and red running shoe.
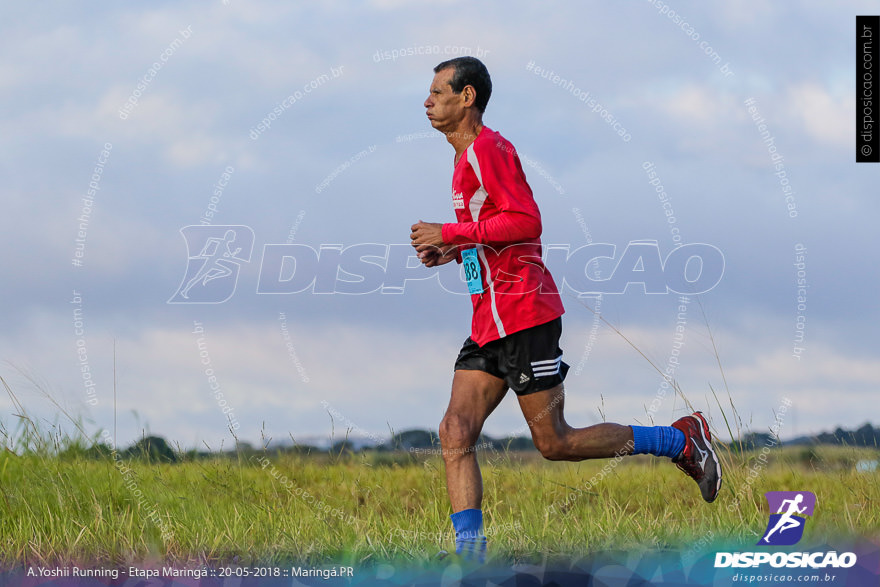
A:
(698, 459)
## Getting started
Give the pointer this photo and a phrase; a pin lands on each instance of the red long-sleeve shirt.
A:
(497, 215)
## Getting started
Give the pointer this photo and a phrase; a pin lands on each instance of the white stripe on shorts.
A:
(546, 368)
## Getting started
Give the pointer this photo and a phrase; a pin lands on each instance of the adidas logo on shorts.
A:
(523, 377)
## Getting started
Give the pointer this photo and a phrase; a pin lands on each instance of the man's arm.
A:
(504, 228)
(517, 218)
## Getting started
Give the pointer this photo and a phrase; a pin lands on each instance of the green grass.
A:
(63, 508)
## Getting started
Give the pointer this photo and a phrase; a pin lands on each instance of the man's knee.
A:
(457, 433)
(552, 447)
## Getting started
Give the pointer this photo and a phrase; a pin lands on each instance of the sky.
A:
(657, 126)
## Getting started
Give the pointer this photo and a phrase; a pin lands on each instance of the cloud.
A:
(828, 119)
(698, 103)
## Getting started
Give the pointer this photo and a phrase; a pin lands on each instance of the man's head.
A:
(469, 71)
(460, 89)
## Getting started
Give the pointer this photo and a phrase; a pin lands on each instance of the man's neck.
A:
(465, 134)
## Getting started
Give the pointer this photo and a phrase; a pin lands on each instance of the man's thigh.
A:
(475, 395)
(543, 411)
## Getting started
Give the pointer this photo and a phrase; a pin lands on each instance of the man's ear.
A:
(469, 94)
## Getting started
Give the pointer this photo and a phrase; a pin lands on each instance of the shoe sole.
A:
(704, 433)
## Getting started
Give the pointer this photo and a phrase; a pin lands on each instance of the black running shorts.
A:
(528, 361)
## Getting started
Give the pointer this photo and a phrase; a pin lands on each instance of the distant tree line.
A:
(865, 436)
(157, 449)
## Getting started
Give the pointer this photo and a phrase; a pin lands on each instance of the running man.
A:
(514, 341)
(216, 264)
(786, 521)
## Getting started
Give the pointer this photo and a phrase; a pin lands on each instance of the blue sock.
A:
(662, 441)
(469, 540)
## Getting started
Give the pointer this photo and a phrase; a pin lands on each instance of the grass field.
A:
(370, 507)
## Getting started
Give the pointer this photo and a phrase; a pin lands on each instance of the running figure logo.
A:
(212, 274)
(786, 526)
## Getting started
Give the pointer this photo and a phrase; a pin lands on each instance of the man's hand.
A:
(434, 256)
(425, 235)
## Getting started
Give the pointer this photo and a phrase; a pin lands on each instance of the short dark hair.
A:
(469, 71)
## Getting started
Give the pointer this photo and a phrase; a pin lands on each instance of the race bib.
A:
(472, 271)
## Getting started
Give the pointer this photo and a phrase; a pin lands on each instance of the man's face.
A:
(445, 109)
